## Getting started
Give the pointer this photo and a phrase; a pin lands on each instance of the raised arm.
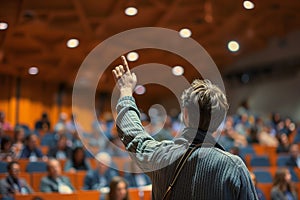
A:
(126, 80)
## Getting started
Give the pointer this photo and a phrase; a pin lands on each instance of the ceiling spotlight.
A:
(248, 5)
(185, 33)
(140, 89)
(73, 43)
(132, 56)
(33, 71)
(233, 46)
(177, 70)
(131, 11)
(3, 25)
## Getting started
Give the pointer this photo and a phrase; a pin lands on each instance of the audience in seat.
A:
(100, 177)
(18, 141)
(55, 181)
(294, 160)
(283, 188)
(260, 194)
(12, 184)
(4, 125)
(136, 178)
(118, 189)
(43, 124)
(77, 161)
(31, 149)
(284, 144)
(61, 150)
(6, 151)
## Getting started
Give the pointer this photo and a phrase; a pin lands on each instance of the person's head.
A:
(19, 134)
(283, 139)
(31, 141)
(62, 142)
(209, 101)
(78, 155)
(294, 150)
(104, 161)
(44, 116)
(118, 189)
(53, 168)
(282, 178)
(235, 150)
(6, 144)
(13, 169)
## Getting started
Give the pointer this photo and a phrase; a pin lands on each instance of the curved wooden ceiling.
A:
(38, 30)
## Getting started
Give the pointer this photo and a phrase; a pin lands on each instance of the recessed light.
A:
(233, 46)
(177, 70)
(131, 11)
(33, 70)
(140, 89)
(3, 25)
(185, 33)
(248, 5)
(132, 56)
(73, 43)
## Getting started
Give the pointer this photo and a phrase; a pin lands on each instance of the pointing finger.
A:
(125, 64)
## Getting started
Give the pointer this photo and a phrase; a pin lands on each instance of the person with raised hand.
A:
(180, 169)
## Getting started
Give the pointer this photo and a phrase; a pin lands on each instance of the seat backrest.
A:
(38, 166)
(263, 176)
(3, 167)
(259, 161)
(281, 160)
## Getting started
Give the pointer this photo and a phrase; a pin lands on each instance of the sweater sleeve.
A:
(247, 189)
(142, 147)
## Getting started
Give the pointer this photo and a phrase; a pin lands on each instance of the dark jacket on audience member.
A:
(48, 184)
(26, 152)
(9, 186)
(92, 180)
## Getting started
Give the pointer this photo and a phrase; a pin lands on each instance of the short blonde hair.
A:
(206, 105)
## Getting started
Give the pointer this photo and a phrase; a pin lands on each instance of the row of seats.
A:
(266, 174)
(134, 194)
(266, 160)
(26, 165)
(34, 179)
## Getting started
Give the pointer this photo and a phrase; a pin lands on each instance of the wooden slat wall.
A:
(36, 97)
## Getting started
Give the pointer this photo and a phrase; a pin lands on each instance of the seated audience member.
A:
(19, 140)
(43, 124)
(284, 144)
(61, 125)
(12, 183)
(77, 161)
(31, 149)
(283, 188)
(118, 189)
(61, 150)
(102, 175)
(136, 178)
(6, 151)
(294, 160)
(54, 181)
(260, 194)
(4, 125)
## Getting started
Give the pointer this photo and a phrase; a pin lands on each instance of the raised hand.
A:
(125, 80)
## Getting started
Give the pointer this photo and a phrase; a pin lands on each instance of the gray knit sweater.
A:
(209, 174)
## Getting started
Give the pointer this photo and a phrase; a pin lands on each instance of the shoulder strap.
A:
(179, 167)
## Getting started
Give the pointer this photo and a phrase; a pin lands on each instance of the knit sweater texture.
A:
(209, 174)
